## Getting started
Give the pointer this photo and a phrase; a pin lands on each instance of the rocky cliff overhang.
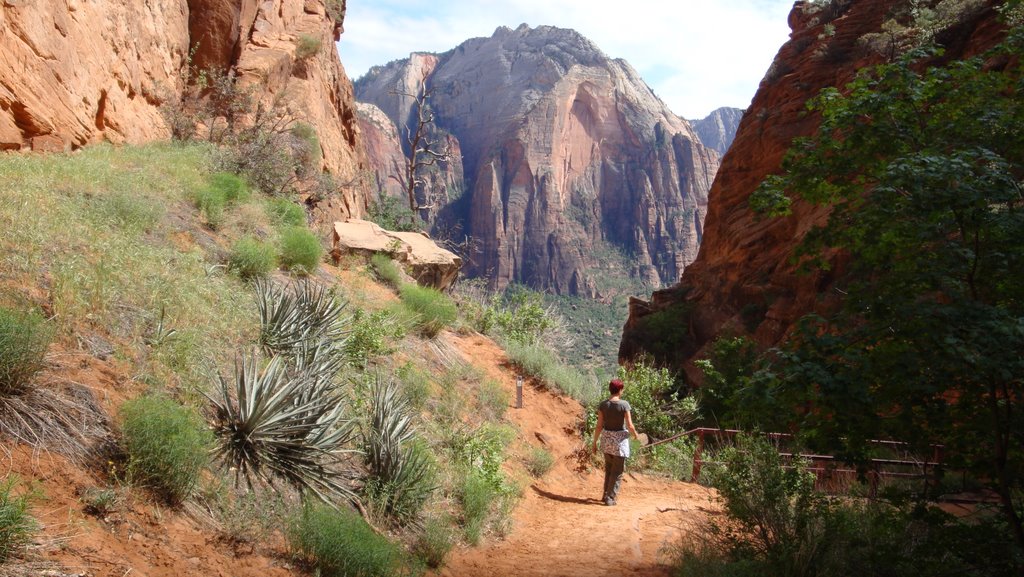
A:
(427, 263)
(77, 72)
(743, 281)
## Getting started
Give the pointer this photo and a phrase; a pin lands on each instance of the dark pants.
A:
(613, 467)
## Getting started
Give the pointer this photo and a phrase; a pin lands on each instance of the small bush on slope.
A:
(167, 445)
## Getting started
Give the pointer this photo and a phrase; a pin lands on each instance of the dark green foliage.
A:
(17, 527)
(401, 473)
(386, 269)
(779, 525)
(285, 213)
(434, 310)
(300, 250)
(167, 445)
(921, 169)
(657, 408)
(391, 213)
(665, 334)
(338, 543)
(371, 335)
(230, 186)
(739, 390)
(284, 422)
(24, 338)
(252, 258)
(518, 315)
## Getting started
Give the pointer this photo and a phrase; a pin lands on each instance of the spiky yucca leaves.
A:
(293, 316)
(401, 472)
(284, 422)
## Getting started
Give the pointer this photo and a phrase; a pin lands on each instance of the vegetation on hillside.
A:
(921, 167)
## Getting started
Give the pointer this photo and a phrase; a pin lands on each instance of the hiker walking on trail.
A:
(614, 425)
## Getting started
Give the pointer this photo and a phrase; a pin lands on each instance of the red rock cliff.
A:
(743, 279)
(569, 158)
(73, 72)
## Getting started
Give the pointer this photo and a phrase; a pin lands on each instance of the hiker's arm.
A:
(629, 424)
(598, 428)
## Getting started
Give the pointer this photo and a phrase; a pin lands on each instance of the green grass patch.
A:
(285, 213)
(251, 258)
(476, 496)
(386, 270)
(338, 543)
(24, 338)
(539, 462)
(435, 311)
(230, 186)
(116, 280)
(434, 541)
(300, 250)
(537, 361)
(17, 527)
(167, 445)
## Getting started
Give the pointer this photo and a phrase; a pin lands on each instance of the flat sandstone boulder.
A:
(429, 264)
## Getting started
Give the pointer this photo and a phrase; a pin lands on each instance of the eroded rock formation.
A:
(718, 129)
(74, 72)
(569, 159)
(743, 281)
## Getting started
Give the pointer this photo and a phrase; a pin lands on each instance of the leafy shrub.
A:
(476, 495)
(24, 338)
(519, 317)
(433, 542)
(400, 470)
(386, 269)
(17, 527)
(371, 335)
(540, 462)
(211, 203)
(657, 408)
(436, 311)
(307, 46)
(167, 445)
(283, 212)
(338, 543)
(300, 250)
(391, 213)
(230, 186)
(251, 258)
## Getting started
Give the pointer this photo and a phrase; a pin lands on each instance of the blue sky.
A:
(697, 55)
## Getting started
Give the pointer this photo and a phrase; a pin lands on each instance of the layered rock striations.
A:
(744, 281)
(718, 129)
(569, 158)
(76, 72)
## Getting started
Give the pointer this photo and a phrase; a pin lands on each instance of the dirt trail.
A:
(560, 528)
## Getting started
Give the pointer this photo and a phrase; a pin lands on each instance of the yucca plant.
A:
(401, 472)
(283, 422)
(291, 315)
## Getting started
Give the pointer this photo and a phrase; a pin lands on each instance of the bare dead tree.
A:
(424, 150)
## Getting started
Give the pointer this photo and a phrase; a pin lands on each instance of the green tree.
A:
(922, 168)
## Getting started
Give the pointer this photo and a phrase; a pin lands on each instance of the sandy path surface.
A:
(561, 528)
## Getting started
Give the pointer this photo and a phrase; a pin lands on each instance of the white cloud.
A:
(697, 55)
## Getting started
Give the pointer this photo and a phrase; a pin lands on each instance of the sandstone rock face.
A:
(718, 129)
(427, 263)
(73, 72)
(569, 159)
(383, 148)
(743, 282)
